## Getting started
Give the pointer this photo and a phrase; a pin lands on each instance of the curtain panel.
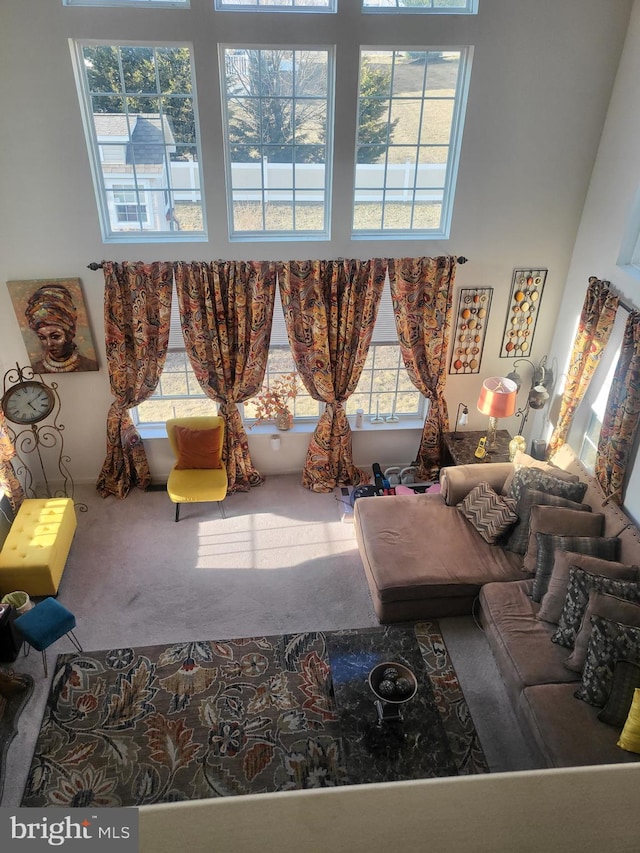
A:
(620, 423)
(137, 311)
(422, 292)
(330, 309)
(9, 483)
(594, 330)
(226, 312)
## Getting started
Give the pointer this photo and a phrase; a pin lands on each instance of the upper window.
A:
(277, 138)
(276, 5)
(147, 4)
(433, 7)
(140, 120)
(410, 113)
(629, 257)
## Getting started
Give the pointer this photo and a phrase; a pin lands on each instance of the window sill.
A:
(154, 431)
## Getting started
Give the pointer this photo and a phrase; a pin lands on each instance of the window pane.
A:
(276, 107)
(437, 7)
(276, 5)
(143, 138)
(409, 136)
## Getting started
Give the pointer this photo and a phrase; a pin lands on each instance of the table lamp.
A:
(498, 400)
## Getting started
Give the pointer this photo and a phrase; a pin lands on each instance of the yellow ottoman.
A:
(36, 548)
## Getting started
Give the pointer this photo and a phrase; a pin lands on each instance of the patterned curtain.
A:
(137, 312)
(226, 311)
(596, 322)
(422, 290)
(330, 308)
(622, 414)
(9, 483)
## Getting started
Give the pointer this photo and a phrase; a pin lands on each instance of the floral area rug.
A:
(210, 719)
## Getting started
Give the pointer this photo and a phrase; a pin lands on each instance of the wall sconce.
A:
(541, 382)
(275, 442)
(498, 400)
(462, 419)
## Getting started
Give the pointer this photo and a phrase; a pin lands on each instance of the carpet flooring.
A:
(281, 562)
(203, 719)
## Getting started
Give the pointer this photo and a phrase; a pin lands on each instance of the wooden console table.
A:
(459, 450)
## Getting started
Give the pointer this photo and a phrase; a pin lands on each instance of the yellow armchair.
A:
(195, 484)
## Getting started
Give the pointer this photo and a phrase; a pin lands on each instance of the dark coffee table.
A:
(416, 747)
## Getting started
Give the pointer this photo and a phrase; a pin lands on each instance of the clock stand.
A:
(26, 397)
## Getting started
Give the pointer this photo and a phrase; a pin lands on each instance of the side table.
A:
(459, 449)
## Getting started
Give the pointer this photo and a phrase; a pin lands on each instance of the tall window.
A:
(277, 104)
(410, 114)
(140, 120)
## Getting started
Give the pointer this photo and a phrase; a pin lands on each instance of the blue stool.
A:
(44, 624)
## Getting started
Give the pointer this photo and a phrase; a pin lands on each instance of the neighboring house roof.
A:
(150, 135)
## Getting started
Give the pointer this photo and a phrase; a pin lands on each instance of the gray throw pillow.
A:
(562, 521)
(534, 478)
(575, 604)
(610, 642)
(596, 546)
(622, 607)
(518, 540)
(626, 677)
(553, 600)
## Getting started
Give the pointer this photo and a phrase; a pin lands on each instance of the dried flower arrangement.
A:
(272, 404)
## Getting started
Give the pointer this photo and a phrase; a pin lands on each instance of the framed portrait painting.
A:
(53, 319)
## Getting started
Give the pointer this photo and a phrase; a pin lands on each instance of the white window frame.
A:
(141, 4)
(629, 256)
(94, 147)
(413, 190)
(261, 191)
(393, 7)
(274, 6)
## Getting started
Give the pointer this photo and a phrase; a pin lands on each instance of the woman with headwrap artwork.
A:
(51, 312)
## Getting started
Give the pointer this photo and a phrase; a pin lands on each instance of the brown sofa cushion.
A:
(520, 540)
(521, 643)
(553, 601)
(418, 547)
(198, 448)
(568, 521)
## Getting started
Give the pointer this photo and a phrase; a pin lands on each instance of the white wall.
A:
(541, 81)
(614, 186)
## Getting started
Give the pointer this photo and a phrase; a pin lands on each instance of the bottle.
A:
(359, 418)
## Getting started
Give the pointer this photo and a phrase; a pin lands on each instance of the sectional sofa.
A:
(433, 555)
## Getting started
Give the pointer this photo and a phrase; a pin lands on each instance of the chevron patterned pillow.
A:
(491, 514)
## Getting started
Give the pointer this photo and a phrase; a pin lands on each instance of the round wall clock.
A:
(28, 402)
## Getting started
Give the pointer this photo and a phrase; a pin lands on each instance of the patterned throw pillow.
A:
(596, 546)
(626, 677)
(519, 536)
(610, 641)
(623, 610)
(491, 514)
(542, 481)
(575, 604)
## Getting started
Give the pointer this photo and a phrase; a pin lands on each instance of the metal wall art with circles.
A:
(522, 314)
(472, 317)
